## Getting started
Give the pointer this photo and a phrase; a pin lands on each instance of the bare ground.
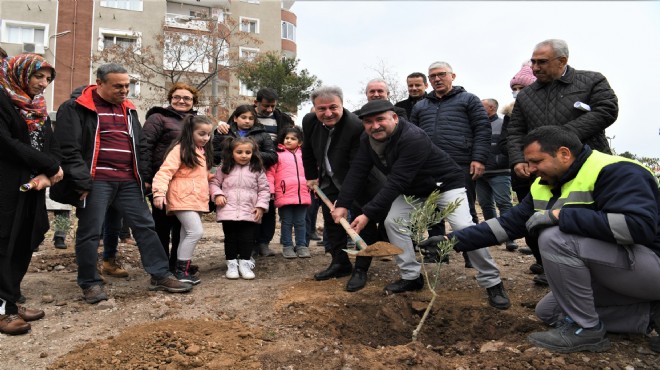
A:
(286, 320)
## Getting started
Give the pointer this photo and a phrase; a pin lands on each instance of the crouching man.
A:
(413, 166)
(597, 219)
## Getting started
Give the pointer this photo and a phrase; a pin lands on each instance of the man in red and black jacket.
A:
(102, 160)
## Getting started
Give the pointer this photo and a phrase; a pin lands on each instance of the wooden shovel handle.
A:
(349, 230)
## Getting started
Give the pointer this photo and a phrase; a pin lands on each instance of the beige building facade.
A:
(71, 34)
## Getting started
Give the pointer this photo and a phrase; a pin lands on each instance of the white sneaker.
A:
(232, 269)
(245, 268)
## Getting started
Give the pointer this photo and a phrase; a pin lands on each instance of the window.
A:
(126, 39)
(288, 31)
(243, 90)
(15, 32)
(188, 52)
(135, 5)
(250, 25)
(248, 54)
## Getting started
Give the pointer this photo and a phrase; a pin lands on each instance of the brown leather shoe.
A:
(30, 314)
(13, 325)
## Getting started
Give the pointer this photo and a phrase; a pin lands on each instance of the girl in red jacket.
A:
(288, 184)
(181, 184)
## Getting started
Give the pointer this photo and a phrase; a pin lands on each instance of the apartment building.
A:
(72, 34)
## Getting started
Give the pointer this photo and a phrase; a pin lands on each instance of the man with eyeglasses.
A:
(581, 101)
(104, 166)
(457, 123)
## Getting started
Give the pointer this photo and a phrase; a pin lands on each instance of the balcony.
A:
(186, 22)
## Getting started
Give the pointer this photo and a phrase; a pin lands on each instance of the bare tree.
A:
(202, 54)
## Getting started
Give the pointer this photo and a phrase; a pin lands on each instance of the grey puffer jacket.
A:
(457, 123)
(553, 104)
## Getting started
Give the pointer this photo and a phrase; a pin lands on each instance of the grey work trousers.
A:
(593, 280)
(488, 274)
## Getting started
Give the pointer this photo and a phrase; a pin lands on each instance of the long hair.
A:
(187, 141)
(244, 109)
(228, 162)
(290, 130)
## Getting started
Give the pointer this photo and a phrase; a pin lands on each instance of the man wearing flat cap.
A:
(413, 166)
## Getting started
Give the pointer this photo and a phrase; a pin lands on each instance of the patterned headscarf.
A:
(15, 75)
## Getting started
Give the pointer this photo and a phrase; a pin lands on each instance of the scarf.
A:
(15, 73)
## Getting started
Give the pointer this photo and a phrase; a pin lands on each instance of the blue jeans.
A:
(127, 199)
(110, 232)
(492, 191)
(293, 216)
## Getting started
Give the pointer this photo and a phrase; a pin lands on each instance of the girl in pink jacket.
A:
(287, 182)
(181, 184)
(240, 192)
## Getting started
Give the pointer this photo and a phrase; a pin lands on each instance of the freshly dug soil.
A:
(285, 320)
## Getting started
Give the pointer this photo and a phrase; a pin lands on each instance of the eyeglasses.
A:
(439, 75)
(184, 98)
(542, 62)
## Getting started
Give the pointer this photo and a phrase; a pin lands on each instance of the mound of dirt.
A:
(285, 320)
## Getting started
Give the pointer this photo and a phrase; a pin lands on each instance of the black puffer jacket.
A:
(257, 133)
(457, 123)
(162, 127)
(553, 104)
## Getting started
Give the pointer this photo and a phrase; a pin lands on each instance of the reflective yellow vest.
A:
(580, 189)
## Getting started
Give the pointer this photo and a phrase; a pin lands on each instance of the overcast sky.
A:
(486, 42)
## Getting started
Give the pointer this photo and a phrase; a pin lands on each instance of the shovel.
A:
(378, 249)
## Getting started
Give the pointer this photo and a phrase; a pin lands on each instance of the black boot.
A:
(335, 270)
(183, 273)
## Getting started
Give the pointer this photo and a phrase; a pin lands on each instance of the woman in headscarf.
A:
(28, 155)
(162, 127)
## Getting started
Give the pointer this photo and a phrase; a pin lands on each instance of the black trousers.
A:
(166, 226)
(239, 239)
(15, 260)
(266, 229)
(336, 236)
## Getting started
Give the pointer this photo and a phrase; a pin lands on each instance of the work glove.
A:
(539, 221)
(429, 247)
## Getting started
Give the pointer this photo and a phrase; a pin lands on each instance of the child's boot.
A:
(183, 273)
(232, 269)
(288, 252)
(302, 251)
(245, 268)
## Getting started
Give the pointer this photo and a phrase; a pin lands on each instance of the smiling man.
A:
(457, 123)
(553, 100)
(417, 85)
(413, 165)
(104, 166)
(331, 139)
(596, 217)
